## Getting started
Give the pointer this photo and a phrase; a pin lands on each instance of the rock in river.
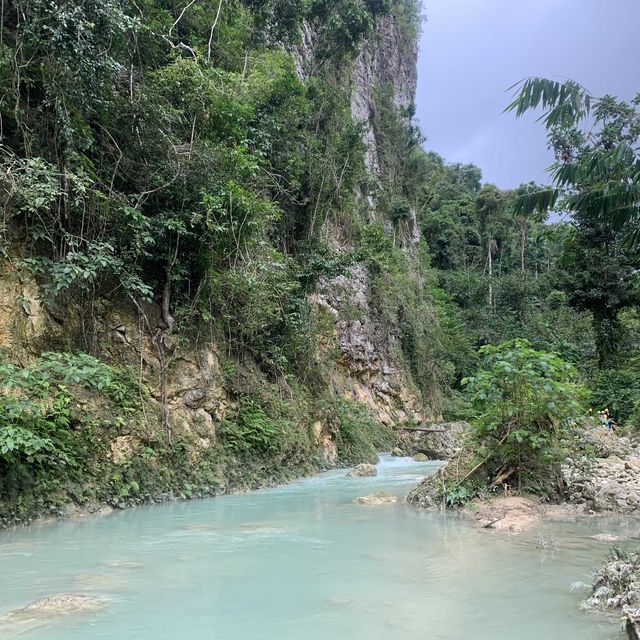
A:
(377, 498)
(362, 471)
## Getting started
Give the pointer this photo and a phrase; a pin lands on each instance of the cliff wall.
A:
(202, 400)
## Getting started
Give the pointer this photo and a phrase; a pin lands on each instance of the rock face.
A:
(369, 370)
(435, 446)
(389, 60)
(363, 471)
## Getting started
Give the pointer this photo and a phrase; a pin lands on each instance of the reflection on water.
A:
(303, 562)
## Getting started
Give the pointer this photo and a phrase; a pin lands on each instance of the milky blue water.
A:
(303, 562)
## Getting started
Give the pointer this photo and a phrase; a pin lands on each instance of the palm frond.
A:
(542, 200)
(564, 103)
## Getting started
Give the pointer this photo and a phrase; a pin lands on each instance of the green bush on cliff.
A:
(249, 431)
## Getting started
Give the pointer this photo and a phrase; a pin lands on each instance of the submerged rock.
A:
(62, 604)
(43, 611)
(362, 471)
(377, 498)
(605, 537)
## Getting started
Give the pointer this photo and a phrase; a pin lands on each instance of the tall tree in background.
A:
(596, 178)
(488, 203)
(524, 217)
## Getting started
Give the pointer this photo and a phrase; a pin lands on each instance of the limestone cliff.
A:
(369, 369)
(196, 386)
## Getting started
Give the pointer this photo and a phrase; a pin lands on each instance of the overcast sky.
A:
(473, 50)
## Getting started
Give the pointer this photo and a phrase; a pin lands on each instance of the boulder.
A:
(421, 457)
(632, 626)
(363, 471)
(442, 444)
(397, 452)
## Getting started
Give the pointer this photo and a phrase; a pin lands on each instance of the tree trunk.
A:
(523, 239)
(490, 262)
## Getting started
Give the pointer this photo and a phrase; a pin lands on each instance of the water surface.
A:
(303, 562)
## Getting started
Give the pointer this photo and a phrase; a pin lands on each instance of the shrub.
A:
(523, 400)
(250, 431)
(35, 413)
(360, 437)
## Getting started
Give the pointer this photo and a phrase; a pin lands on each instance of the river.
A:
(303, 562)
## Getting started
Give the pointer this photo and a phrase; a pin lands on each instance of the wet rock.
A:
(377, 499)
(605, 537)
(362, 471)
(421, 457)
(616, 587)
(397, 452)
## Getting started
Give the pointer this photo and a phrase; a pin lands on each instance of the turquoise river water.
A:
(303, 562)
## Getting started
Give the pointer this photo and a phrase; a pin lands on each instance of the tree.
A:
(524, 217)
(522, 399)
(488, 203)
(598, 172)
(596, 177)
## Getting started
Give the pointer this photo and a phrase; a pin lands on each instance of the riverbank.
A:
(601, 476)
(246, 478)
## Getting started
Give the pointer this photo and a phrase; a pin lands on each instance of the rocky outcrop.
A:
(609, 482)
(604, 484)
(442, 443)
(363, 471)
(25, 326)
(367, 369)
(389, 59)
(616, 587)
(429, 493)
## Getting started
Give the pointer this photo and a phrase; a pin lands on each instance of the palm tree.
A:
(596, 173)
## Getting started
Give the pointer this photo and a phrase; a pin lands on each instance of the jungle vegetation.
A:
(171, 153)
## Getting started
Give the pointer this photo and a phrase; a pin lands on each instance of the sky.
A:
(472, 51)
